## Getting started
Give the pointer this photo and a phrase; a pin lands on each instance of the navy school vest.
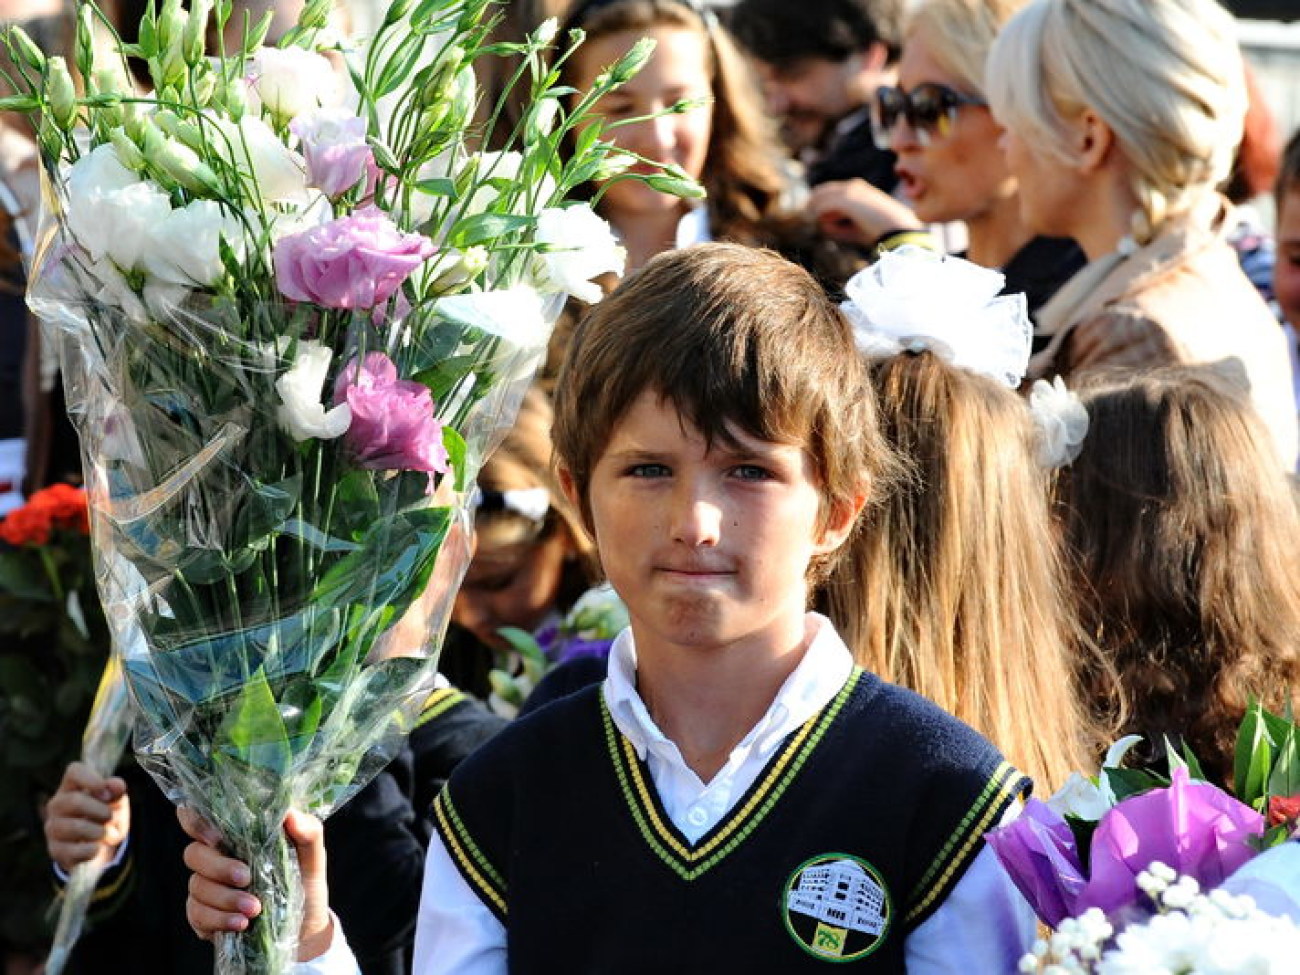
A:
(857, 829)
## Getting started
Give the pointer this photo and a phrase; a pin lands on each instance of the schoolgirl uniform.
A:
(847, 827)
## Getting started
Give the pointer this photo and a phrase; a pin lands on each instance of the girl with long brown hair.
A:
(1184, 539)
(953, 585)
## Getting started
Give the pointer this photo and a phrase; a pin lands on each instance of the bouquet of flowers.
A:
(1190, 933)
(1103, 854)
(297, 307)
(53, 645)
(586, 630)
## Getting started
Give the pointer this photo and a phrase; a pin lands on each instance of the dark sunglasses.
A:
(930, 109)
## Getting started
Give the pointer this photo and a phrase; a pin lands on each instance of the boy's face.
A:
(1286, 272)
(708, 547)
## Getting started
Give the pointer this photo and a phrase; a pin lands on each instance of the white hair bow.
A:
(914, 298)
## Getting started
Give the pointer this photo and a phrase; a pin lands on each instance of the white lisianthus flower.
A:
(1080, 797)
(579, 246)
(302, 414)
(184, 248)
(291, 81)
(513, 315)
(111, 211)
(255, 150)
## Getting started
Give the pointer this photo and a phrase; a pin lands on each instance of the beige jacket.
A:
(1181, 299)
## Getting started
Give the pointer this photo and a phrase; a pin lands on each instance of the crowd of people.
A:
(879, 580)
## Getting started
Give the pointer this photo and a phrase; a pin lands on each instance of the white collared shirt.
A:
(984, 925)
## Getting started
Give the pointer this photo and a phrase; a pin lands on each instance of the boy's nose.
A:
(697, 522)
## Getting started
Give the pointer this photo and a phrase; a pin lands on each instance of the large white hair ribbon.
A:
(915, 299)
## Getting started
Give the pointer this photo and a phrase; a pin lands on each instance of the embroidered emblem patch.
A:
(837, 907)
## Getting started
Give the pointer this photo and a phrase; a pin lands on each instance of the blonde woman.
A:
(1122, 116)
(953, 585)
(950, 166)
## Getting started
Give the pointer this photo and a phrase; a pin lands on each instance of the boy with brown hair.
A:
(736, 796)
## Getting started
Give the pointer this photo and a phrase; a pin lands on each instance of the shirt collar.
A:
(693, 228)
(820, 675)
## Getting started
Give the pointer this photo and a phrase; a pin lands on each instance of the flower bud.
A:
(85, 41)
(24, 49)
(547, 31)
(633, 61)
(316, 14)
(127, 151)
(178, 163)
(60, 93)
(397, 10)
(194, 37)
(177, 128)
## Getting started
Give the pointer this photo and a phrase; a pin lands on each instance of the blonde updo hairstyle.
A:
(961, 32)
(1166, 76)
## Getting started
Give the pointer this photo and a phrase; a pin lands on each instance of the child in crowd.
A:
(736, 795)
(532, 560)
(1182, 533)
(1286, 269)
(954, 587)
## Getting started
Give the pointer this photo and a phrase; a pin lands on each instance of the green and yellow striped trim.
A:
(439, 703)
(690, 862)
(478, 872)
(1003, 786)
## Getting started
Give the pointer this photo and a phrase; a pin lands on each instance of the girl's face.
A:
(511, 583)
(960, 174)
(678, 69)
(1286, 272)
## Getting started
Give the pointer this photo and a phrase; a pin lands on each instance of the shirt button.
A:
(697, 817)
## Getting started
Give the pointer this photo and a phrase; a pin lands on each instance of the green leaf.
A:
(444, 376)
(253, 730)
(484, 227)
(23, 578)
(1253, 757)
(438, 186)
(384, 157)
(456, 450)
(1184, 759)
(399, 65)
(1285, 777)
(1125, 782)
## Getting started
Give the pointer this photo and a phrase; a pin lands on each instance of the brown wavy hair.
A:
(742, 173)
(953, 585)
(1185, 537)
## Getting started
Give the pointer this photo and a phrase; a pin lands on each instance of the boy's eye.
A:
(752, 472)
(648, 470)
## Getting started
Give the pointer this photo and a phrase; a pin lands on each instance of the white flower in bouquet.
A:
(289, 81)
(1191, 933)
(184, 248)
(253, 148)
(1085, 798)
(580, 246)
(111, 211)
(302, 412)
(514, 316)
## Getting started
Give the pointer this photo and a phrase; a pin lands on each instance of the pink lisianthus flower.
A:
(333, 141)
(356, 261)
(393, 424)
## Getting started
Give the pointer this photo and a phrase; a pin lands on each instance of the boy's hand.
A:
(219, 902)
(87, 819)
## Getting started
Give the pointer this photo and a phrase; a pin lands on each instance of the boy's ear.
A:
(841, 516)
